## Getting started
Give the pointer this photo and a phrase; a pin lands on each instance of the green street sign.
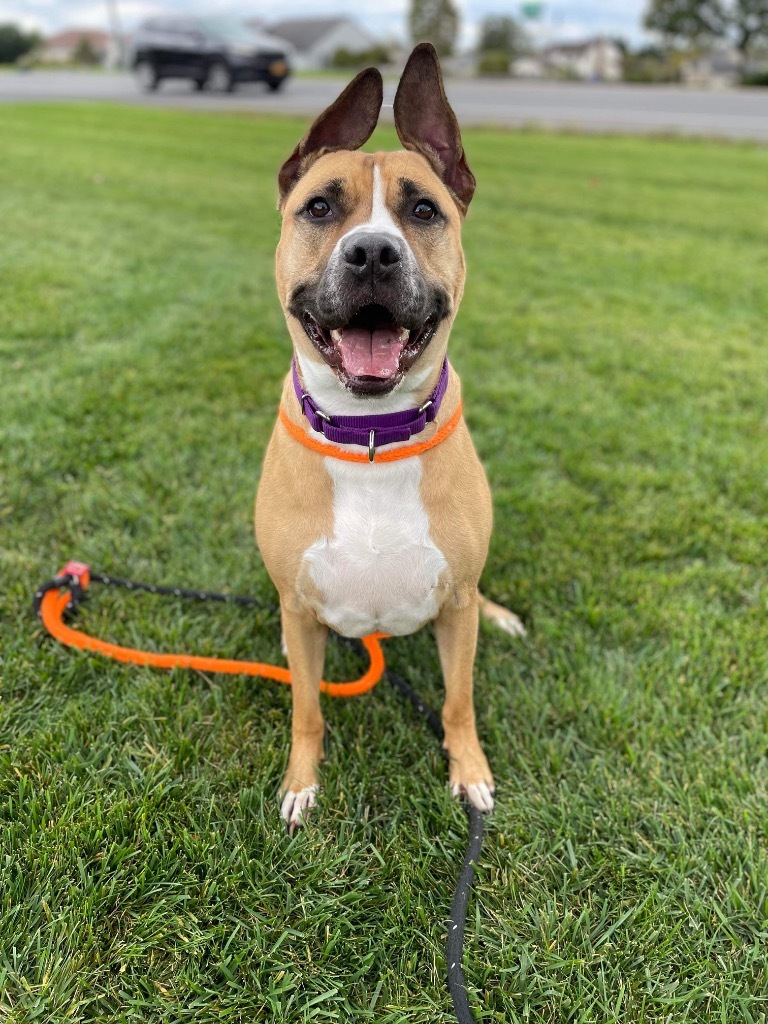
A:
(532, 12)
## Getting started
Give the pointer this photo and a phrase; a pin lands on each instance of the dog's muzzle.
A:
(371, 314)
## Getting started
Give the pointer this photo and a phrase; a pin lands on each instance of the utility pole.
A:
(116, 32)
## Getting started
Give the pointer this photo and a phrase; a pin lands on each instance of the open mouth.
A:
(371, 351)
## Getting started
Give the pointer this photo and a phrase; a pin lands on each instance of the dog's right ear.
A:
(347, 124)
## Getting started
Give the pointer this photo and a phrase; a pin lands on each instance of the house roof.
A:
(72, 36)
(303, 33)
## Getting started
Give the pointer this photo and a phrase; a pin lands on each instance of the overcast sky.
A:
(562, 19)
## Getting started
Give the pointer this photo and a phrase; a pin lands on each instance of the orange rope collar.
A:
(392, 455)
(55, 602)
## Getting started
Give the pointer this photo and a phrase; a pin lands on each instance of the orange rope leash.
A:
(54, 603)
(392, 455)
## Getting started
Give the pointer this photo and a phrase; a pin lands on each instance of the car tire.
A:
(220, 78)
(275, 84)
(146, 75)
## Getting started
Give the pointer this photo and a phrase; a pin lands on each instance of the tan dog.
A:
(370, 273)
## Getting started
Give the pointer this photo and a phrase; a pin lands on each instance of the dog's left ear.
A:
(347, 124)
(426, 123)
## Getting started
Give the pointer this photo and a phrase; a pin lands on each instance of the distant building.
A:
(718, 69)
(65, 47)
(593, 60)
(314, 41)
(528, 65)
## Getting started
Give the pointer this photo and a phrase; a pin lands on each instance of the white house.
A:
(63, 47)
(314, 41)
(593, 60)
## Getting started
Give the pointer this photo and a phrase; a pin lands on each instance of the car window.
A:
(227, 30)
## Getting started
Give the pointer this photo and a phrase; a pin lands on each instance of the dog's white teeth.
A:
(336, 333)
(403, 334)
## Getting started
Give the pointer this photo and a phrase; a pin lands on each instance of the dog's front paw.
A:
(469, 774)
(296, 805)
(479, 794)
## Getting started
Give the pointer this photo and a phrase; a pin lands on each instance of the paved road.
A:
(738, 114)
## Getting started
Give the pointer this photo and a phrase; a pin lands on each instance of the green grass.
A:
(612, 347)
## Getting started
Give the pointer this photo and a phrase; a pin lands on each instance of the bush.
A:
(650, 66)
(344, 58)
(86, 53)
(755, 78)
(493, 62)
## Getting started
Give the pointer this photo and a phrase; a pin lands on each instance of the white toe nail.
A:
(295, 804)
(480, 797)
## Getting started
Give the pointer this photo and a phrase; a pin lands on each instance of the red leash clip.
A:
(80, 571)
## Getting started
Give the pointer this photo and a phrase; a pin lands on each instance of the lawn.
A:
(612, 345)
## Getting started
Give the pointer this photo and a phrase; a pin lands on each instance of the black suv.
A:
(215, 53)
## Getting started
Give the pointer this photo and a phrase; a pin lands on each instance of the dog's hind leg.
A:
(305, 640)
(501, 617)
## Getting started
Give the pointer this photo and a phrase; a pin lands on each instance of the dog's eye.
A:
(318, 208)
(424, 210)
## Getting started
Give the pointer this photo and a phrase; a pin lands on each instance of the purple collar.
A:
(372, 431)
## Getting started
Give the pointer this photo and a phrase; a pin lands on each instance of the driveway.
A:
(735, 114)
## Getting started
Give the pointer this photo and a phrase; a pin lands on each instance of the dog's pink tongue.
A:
(370, 353)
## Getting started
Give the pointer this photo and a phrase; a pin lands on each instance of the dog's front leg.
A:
(456, 631)
(305, 640)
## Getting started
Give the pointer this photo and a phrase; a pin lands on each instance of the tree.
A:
(750, 22)
(14, 43)
(435, 21)
(502, 34)
(501, 39)
(86, 52)
(687, 21)
(692, 22)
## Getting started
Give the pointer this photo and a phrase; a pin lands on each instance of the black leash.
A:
(454, 946)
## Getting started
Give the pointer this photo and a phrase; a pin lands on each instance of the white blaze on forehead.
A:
(381, 220)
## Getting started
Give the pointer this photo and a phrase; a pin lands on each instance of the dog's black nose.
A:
(366, 253)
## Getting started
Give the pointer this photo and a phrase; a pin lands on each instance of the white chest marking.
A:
(380, 570)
